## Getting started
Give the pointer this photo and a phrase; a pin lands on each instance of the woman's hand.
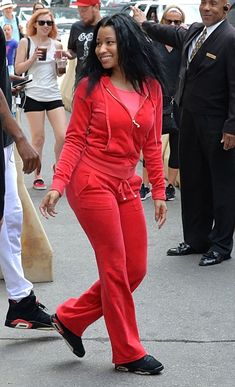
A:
(37, 54)
(47, 206)
(160, 212)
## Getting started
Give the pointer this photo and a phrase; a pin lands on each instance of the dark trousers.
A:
(207, 183)
(174, 149)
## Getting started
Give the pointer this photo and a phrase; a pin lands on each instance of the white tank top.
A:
(44, 86)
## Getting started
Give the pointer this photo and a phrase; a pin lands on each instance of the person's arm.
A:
(69, 54)
(22, 64)
(75, 142)
(152, 152)
(31, 160)
(170, 35)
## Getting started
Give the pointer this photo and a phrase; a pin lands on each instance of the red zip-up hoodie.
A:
(104, 135)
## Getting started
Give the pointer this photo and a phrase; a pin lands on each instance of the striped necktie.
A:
(199, 43)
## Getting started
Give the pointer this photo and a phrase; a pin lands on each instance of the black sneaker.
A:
(147, 365)
(145, 192)
(73, 341)
(28, 314)
(170, 192)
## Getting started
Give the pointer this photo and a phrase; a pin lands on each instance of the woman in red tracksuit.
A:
(116, 113)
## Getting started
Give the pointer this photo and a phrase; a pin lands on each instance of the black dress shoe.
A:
(181, 249)
(212, 258)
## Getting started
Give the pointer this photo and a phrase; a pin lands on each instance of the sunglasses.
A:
(49, 23)
(176, 22)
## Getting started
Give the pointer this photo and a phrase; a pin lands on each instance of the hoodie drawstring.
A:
(123, 189)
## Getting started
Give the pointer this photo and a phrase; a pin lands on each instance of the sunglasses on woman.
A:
(43, 22)
(176, 22)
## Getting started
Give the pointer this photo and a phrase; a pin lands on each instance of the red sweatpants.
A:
(111, 214)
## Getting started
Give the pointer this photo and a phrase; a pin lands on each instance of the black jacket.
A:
(207, 84)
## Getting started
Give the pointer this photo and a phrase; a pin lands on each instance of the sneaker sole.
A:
(155, 371)
(23, 324)
(59, 329)
(40, 188)
(146, 196)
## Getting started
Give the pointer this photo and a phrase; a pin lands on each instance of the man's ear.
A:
(226, 7)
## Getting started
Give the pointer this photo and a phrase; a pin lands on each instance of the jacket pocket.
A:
(92, 195)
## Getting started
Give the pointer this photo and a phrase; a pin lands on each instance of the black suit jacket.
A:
(206, 84)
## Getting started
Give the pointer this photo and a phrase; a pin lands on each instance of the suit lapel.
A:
(207, 44)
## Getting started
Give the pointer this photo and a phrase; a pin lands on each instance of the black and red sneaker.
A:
(28, 314)
(73, 341)
(147, 365)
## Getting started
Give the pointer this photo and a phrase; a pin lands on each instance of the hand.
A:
(228, 140)
(138, 15)
(29, 156)
(67, 54)
(47, 206)
(160, 212)
(16, 90)
(37, 54)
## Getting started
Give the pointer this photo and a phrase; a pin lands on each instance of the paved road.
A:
(185, 312)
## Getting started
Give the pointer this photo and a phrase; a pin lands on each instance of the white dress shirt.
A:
(210, 29)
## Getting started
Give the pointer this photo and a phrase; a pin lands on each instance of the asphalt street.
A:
(186, 313)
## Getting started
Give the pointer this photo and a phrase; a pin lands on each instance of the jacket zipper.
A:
(132, 118)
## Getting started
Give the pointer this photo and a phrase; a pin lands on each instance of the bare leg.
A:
(36, 124)
(58, 121)
(145, 177)
(172, 175)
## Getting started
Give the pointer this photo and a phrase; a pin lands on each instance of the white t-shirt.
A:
(44, 86)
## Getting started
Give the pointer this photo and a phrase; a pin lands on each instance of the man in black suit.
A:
(206, 95)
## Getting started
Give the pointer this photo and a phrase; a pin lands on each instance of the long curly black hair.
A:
(135, 54)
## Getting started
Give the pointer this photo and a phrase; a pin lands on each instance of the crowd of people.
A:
(125, 96)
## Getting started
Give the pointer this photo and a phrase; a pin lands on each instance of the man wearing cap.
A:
(7, 6)
(81, 32)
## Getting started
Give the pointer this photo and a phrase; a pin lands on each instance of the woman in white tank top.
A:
(42, 94)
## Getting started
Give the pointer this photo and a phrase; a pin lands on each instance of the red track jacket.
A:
(103, 134)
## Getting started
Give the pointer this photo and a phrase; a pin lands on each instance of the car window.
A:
(152, 12)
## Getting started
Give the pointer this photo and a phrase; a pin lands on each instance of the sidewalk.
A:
(186, 313)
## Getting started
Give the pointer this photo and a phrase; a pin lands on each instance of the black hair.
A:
(135, 53)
